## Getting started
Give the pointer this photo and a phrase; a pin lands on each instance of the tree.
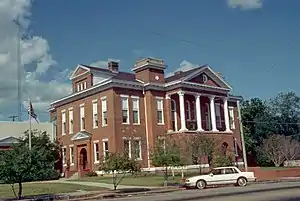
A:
(273, 148)
(198, 146)
(291, 148)
(20, 164)
(166, 153)
(118, 164)
(285, 110)
(252, 112)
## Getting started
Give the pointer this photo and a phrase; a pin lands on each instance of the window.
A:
(204, 78)
(82, 120)
(127, 147)
(63, 123)
(193, 111)
(95, 114)
(81, 86)
(174, 115)
(64, 156)
(231, 117)
(217, 171)
(229, 171)
(71, 155)
(125, 111)
(104, 111)
(162, 143)
(137, 149)
(71, 126)
(160, 111)
(84, 85)
(96, 152)
(78, 87)
(236, 153)
(218, 115)
(135, 110)
(105, 148)
(188, 110)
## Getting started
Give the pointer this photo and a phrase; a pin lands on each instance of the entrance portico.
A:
(200, 109)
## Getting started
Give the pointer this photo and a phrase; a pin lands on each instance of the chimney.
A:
(113, 66)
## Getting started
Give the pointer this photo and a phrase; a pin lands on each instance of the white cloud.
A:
(35, 52)
(184, 66)
(245, 4)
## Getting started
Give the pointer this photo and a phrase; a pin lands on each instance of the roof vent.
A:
(113, 66)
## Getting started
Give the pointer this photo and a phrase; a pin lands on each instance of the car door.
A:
(216, 177)
(230, 176)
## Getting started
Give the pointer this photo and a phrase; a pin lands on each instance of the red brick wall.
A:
(272, 174)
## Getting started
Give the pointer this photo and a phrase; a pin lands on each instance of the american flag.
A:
(31, 112)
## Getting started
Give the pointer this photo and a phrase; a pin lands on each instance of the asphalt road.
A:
(287, 191)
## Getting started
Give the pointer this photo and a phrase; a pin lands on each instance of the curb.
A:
(118, 195)
(275, 181)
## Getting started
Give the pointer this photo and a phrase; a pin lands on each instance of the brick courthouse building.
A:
(107, 106)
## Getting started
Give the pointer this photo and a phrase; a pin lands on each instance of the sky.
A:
(253, 43)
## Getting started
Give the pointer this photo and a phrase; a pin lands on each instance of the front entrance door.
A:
(83, 159)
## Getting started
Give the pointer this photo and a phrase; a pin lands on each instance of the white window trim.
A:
(162, 118)
(175, 113)
(140, 146)
(103, 147)
(94, 122)
(63, 116)
(102, 112)
(136, 98)
(188, 109)
(95, 155)
(80, 116)
(126, 97)
(71, 162)
(218, 123)
(232, 126)
(78, 87)
(64, 155)
(84, 85)
(71, 131)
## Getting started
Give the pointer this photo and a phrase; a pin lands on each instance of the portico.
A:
(199, 112)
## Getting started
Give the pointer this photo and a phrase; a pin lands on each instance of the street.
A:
(287, 191)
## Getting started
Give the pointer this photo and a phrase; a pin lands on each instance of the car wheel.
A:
(201, 184)
(242, 181)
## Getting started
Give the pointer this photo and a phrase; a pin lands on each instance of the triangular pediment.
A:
(9, 140)
(79, 70)
(82, 135)
(207, 76)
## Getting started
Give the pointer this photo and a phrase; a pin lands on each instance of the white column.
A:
(213, 113)
(182, 111)
(198, 112)
(226, 115)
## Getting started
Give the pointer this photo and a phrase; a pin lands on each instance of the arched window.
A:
(188, 110)
(224, 148)
(174, 114)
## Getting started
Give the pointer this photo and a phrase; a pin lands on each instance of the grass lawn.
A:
(44, 188)
(134, 181)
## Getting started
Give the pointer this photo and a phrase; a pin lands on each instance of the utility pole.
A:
(242, 137)
(19, 69)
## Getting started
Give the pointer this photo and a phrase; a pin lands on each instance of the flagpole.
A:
(29, 114)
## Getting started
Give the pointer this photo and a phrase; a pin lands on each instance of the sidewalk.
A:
(104, 185)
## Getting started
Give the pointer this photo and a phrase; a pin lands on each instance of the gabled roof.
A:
(82, 135)
(188, 75)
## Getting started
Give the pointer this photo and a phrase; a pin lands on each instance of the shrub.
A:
(222, 161)
(91, 174)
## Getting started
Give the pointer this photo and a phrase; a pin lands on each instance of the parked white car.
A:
(220, 176)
